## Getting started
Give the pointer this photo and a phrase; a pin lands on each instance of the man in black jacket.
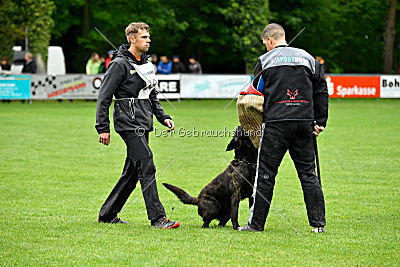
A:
(295, 95)
(177, 65)
(30, 64)
(194, 66)
(130, 78)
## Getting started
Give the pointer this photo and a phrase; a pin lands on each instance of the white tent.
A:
(55, 60)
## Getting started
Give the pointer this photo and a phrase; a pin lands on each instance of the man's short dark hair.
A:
(273, 30)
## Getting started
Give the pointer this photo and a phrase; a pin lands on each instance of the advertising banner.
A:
(15, 87)
(169, 86)
(353, 86)
(213, 86)
(390, 86)
(176, 86)
(65, 86)
(81, 86)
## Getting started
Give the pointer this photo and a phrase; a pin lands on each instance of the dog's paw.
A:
(235, 227)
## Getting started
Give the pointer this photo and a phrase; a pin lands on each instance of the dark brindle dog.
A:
(220, 198)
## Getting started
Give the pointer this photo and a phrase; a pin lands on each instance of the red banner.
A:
(353, 86)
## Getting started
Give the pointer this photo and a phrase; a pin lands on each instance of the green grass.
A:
(54, 176)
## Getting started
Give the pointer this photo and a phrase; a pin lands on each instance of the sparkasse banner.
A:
(353, 86)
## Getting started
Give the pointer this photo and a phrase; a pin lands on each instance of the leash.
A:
(247, 162)
(272, 206)
(316, 155)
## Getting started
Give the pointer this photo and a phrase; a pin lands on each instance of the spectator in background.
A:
(165, 66)
(194, 66)
(102, 68)
(110, 55)
(153, 60)
(30, 64)
(177, 65)
(5, 64)
(93, 64)
(322, 61)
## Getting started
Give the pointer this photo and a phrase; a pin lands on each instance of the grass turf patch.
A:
(54, 176)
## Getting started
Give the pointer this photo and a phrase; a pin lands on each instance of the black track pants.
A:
(139, 165)
(277, 138)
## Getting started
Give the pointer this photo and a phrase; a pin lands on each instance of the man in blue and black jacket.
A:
(165, 66)
(130, 78)
(295, 95)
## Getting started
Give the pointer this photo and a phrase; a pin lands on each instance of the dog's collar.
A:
(247, 162)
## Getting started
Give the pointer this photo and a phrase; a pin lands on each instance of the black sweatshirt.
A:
(133, 112)
(294, 86)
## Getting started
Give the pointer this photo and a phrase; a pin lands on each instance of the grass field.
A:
(54, 176)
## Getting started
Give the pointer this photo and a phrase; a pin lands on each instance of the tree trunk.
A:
(389, 37)
(85, 28)
(185, 52)
(247, 67)
(85, 32)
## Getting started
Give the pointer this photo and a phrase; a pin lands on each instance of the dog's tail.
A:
(181, 194)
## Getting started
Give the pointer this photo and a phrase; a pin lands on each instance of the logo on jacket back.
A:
(291, 94)
(292, 101)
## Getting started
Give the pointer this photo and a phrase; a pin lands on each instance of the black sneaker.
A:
(320, 229)
(248, 228)
(115, 220)
(164, 223)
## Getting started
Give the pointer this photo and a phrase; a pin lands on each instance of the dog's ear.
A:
(234, 143)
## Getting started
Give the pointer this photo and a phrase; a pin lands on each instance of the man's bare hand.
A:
(318, 130)
(104, 138)
(170, 124)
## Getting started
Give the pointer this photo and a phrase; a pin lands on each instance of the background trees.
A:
(389, 35)
(223, 35)
(347, 34)
(20, 18)
(205, 29)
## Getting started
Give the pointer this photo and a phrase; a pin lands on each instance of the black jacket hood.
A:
(123, 51)
(131, 113)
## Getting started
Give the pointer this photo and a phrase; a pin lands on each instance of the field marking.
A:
(155, 88)
(252, 185)
(262, 70)
(141, 192)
